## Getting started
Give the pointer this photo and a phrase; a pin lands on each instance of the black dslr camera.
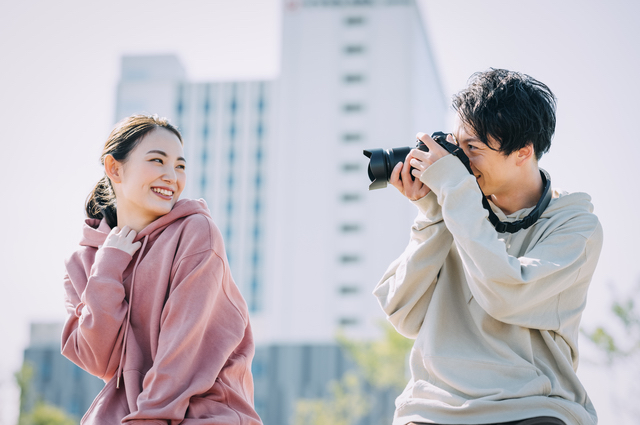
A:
(382, 161)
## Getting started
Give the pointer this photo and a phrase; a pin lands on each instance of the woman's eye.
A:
(182, 167)
(158, 160)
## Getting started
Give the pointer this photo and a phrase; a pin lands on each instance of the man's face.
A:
(494, 171)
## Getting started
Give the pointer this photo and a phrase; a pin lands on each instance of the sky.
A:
(60, 66)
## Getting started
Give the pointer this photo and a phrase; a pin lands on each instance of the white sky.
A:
(59, 64)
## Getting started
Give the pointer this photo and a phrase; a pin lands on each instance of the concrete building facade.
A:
(280, 165)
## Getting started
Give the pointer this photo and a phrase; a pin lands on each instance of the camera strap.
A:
(534, 215)
(504, 226)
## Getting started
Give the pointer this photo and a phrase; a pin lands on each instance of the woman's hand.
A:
(401, 179)
(123, 240)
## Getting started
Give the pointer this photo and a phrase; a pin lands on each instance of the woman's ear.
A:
(113, 169)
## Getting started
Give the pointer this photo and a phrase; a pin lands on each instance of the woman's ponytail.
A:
(101, 202)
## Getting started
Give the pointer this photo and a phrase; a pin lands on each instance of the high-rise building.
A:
(280, 165)
(280, 162)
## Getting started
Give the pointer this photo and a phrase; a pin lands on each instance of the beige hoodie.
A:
(495, 316)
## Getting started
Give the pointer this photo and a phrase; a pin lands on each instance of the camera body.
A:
(382, 161)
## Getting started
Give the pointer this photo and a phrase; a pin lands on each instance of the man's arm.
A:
(517, 290)
(405, 290)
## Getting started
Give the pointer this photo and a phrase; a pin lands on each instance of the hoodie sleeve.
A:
(96, 310)
(202, 324)
(524, 291)
(405, 290)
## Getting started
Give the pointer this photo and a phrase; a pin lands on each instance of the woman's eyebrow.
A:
(159, 152)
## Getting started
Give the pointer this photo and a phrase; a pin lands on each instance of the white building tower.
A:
(280, 164)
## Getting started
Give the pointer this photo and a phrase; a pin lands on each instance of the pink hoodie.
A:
(170, 320)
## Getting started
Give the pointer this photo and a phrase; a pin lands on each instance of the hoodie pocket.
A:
(109, 406)
(471, 379)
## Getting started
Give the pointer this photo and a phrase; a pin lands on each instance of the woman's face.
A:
(153, 176)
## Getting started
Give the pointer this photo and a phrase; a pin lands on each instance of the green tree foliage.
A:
(42, 413)
(619, 340)
(345, 405)
(383, 361)
(626, 343)
(23, 379)
(379, 364)
(46, 414)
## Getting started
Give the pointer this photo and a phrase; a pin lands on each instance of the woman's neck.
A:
(135, 221)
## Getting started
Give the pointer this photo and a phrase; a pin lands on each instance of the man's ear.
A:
(113, 169)
(525, 154)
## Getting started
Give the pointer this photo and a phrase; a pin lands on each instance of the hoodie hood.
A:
(561, 200)
(95, 231)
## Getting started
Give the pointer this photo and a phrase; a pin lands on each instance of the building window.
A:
(351, 167)
(349, 227)
(47, 365)
(349, 289)
(349, 258)
(352, 137)
(348, 321)
(354, 20)
(350, 197)
(353, 78)
(352, 107)
(354, 49)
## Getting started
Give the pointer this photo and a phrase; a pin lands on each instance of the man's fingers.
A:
(395, 174)
(427, 140)
(406, 171)
(435, 150)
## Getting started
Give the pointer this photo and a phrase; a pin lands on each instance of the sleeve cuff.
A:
(428, 205)
(444, 172)
(110, 262)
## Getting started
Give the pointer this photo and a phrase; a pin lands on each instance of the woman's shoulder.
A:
(198, 232)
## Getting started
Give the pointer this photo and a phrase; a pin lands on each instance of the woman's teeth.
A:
(162, 191)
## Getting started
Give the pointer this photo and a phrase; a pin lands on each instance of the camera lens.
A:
(381, 163)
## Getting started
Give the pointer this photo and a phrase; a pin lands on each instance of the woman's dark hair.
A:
(511, 107)
(101, 202)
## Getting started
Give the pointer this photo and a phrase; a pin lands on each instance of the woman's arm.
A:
(91, 337)
(96, 305)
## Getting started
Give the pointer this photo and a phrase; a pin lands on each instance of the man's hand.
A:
(401, 175)
(401, 180)
(421, 160)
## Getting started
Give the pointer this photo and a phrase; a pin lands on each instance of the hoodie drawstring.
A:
(128, 318)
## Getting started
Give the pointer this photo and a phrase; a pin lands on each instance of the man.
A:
(494, 305)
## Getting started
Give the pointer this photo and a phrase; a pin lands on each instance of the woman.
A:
(153, 309)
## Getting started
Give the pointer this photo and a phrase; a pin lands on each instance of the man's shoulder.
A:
(572, 209)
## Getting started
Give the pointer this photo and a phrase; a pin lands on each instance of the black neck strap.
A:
(525, 223)
(504, 226)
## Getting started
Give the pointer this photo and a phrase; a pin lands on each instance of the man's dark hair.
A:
(512, 108)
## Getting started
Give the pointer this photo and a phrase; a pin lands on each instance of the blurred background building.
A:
(280, 165)
(54, 379)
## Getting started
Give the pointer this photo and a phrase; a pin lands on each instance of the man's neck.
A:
(523, 192)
